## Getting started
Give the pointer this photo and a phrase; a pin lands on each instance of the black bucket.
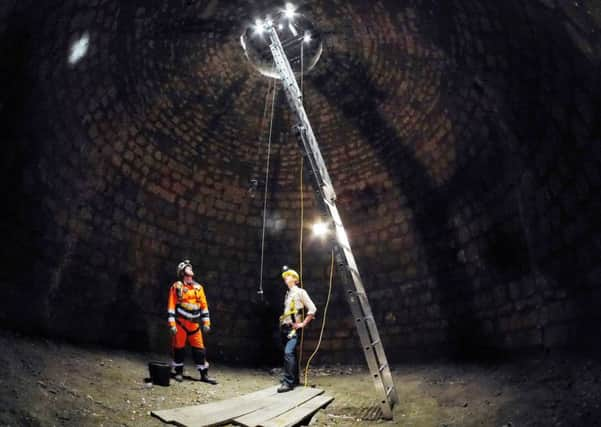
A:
(160, 373)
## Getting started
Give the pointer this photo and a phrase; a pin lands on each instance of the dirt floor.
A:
(45, 383)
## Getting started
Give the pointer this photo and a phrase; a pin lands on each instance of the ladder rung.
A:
(351, 269)
(345, 260)
(357, 293)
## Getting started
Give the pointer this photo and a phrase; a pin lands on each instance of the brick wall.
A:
(463, 140)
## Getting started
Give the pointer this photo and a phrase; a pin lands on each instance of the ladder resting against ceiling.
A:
(354, 290)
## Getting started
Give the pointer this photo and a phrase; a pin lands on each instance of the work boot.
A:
(204, 377)
(285, 387)
(179, 374)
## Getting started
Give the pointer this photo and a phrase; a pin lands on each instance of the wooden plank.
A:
(219, 405)
(298, 414)
(216, 413)
(279, 404)
(224, 416)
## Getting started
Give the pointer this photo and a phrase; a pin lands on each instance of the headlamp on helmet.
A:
(289, 272)
(181, 267)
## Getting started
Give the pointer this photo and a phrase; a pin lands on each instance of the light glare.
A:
(293, 30)
(320, 229)
(258, 28)
(78, 49)
(290, 11)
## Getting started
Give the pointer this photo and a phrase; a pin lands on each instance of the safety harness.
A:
(189, 311)
(291, 312)
(185, 329)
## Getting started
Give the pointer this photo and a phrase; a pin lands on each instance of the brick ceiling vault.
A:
(463, 139)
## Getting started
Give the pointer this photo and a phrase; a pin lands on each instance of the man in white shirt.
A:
(296, 303)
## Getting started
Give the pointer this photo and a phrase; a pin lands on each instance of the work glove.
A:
(173, 330)
(206, 328)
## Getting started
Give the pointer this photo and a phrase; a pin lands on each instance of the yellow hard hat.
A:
(289, 272)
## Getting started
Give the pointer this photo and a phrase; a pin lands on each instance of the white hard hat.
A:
(182, 266)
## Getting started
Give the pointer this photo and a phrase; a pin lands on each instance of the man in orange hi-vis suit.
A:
(188, 309)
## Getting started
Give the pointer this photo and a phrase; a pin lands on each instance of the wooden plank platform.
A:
(279, 404)
(262, 408)
(216, 413)
(298, 414)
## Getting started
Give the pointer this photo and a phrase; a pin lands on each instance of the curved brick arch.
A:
(463, 140)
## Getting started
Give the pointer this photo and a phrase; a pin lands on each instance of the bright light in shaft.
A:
(320, 229)
(290, 11)
(78, 49)
(258, 27)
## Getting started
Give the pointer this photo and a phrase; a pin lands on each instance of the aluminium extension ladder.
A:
(347, 267)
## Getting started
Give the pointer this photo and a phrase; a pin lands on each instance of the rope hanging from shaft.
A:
(323, 323)
(260, 292)
(302, 219)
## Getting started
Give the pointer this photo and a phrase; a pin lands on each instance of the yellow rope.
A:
(323, 323)
(302, 220)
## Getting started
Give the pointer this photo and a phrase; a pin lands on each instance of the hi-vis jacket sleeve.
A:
(204, 307)
(171, 303)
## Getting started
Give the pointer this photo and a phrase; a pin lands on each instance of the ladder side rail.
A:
(356, 296)
(355, 292)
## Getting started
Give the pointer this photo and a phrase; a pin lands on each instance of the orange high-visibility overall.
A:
(187, 309)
